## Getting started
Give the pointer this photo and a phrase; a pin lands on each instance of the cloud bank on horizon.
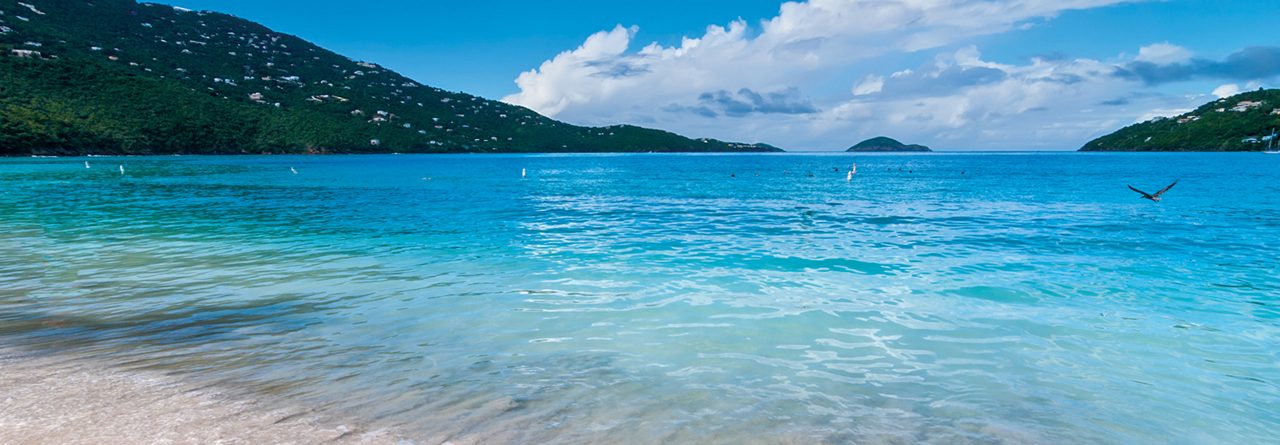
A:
(809, 78)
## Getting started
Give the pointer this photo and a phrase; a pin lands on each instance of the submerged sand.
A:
(58, 400)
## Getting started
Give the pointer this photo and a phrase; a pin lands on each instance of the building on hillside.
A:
(1246, 105)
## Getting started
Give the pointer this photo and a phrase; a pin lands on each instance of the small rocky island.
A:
(885, 144)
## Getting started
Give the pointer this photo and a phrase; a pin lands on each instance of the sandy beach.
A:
(60, 400)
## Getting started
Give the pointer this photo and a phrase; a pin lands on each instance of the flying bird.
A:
(1155, 197)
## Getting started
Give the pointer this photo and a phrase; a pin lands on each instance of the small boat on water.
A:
(1271, 144)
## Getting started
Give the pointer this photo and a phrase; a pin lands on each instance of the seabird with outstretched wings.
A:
(1154, 197)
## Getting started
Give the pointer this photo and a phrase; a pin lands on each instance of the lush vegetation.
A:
(1239, 123)
(118, 77)
(886, 144)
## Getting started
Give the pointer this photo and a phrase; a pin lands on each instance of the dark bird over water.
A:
(1156, 196)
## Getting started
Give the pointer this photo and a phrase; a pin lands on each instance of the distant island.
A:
(1243, 122)
(119, 77)
(885, 144)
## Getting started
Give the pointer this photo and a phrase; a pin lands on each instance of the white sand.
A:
(56, 400)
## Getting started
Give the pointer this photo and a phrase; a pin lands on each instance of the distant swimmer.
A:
(293, 170)
(1156, 196)
(86, 164)
(122, 169)
(849, 177)
(854, 168)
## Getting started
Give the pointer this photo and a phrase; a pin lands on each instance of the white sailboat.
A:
(1271, 144)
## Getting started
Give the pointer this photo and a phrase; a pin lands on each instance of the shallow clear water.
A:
(944, 298)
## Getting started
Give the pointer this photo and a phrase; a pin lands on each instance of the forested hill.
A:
(886, 144)
(1243, 122)
(119, 77)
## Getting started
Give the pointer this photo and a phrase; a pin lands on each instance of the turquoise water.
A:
(944, 298)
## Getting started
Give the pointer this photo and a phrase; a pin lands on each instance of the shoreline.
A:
(63, 399)
(614, 153)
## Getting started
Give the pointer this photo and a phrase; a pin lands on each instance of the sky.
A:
(815, 74)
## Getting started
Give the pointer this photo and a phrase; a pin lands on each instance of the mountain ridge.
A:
(121, 77)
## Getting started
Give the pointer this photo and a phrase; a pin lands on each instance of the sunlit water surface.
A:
(978, 298)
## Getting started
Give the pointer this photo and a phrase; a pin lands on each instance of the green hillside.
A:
(886, 144)
(118, 77)
(1239, 123)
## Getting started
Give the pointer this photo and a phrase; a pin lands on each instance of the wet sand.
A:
(59, 400)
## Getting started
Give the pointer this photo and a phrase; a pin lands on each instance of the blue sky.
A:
(821, 74)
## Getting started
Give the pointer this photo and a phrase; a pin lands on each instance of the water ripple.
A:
(654, 299)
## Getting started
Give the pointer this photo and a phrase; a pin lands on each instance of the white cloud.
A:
(1163, 54)
(870, 85)
(805, 39)
(1227, 90)
(539, 89)
(959, 100)
(1162, 113)
(964, 101)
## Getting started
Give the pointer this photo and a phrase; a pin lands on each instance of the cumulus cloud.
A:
(1248, 64)
(1226, 90)
(746, 101)
(951, 71)
(754, 83)
(870, 85)
(962, 100)
(1163, 54)
(805, 40)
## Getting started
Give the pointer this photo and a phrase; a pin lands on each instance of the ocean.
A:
(945, 298)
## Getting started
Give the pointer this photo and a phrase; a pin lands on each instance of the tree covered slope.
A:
(1239, 123)
(886, 144)
(119, 77)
